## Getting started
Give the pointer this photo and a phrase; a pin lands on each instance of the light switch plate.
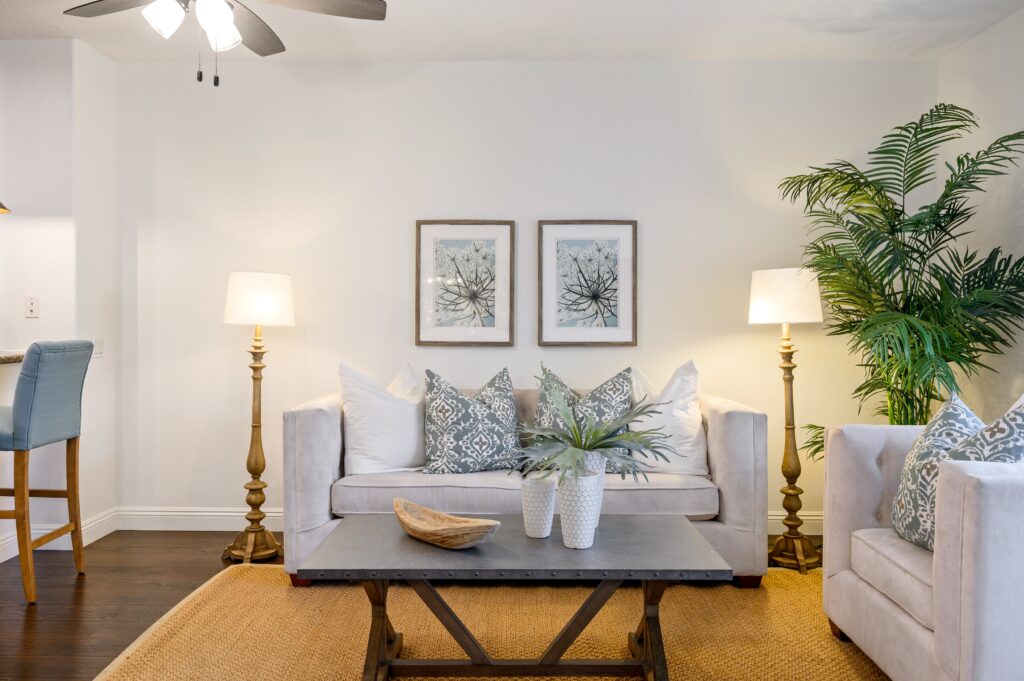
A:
(31, 307)
(97, 348)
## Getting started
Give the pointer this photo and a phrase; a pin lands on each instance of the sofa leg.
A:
(747, 581)
(299, 582)
(837, 632)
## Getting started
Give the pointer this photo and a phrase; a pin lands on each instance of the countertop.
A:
(11, 356)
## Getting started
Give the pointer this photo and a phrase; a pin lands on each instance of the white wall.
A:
(57, 157)
(37, 241)
(322, 170)
(97, 280)
(981, 75)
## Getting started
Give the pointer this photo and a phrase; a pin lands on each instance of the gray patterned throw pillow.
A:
(954, 433)
(469, 434)
(610, 400)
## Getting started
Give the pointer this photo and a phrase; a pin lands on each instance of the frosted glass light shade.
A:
(217, 19)
(165, 16)
(784, 296)
(224, 38)
(259, 298)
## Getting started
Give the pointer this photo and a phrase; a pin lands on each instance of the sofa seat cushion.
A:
(900, 570)
(498, 492)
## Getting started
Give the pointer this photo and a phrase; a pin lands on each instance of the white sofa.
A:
(729, 508)
(956, 614)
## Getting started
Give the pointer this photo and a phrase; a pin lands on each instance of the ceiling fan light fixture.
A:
(224, 38)
(165, 16)
(218, 20)
(213, 14)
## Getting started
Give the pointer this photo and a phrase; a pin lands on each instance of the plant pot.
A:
(538, 495)
(593, 461)
(579, 507)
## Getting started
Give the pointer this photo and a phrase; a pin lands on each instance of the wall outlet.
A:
(97, 348)
(31, 307)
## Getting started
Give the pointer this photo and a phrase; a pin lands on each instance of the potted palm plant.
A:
(577, 451)
(916, 306)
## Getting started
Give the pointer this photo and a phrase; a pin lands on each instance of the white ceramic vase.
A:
(595, 462)
(538, 495)
(579, 506)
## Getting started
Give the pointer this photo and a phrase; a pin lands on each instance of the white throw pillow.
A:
(680, 419)
(383, 427)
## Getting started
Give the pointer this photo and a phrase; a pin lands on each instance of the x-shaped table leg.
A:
(646, 644)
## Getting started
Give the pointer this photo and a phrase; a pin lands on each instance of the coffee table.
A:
(654, 549)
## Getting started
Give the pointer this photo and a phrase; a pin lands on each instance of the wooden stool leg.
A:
(74, 512)
(21, 522)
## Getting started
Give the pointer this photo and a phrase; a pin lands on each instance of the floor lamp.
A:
(788, 296)
(257, 299)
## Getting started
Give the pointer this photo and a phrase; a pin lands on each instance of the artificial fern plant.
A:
(915, 304)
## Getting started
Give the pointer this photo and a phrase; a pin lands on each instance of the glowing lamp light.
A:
(165, 16)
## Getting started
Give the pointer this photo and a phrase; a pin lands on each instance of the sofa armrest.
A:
(862, 471)
(738, 462)
(312, 463)
(978, 570)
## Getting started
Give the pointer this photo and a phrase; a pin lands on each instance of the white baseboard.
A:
(814, 522)
(93, 528)
(191, 518)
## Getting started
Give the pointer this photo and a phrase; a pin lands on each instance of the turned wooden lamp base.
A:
(252, 546)
(795, 553)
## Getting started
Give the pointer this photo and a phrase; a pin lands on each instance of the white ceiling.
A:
(422, 30)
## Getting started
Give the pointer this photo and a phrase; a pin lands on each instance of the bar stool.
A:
(47, 408)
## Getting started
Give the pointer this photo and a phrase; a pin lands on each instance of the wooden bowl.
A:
(442, 529)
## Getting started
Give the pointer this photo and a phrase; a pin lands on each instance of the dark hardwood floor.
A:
(81, 623)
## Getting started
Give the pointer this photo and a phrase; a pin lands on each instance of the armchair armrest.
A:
(738, 463)
(978, 570)
(862, 471)
(312, 463)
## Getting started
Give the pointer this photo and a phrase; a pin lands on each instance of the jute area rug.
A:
(249, 623)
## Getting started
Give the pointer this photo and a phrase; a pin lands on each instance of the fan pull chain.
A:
(199, 52)
(216, 69)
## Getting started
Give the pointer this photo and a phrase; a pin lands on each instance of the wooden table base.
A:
(385, 644)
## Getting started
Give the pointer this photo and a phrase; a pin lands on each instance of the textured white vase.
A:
(538, 496)
(595, 462)
(579, 506)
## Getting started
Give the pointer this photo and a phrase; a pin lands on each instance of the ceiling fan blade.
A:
(256, 35)
(353, 9)
(98, 8)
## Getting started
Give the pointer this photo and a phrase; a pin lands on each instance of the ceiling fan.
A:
(229, 23)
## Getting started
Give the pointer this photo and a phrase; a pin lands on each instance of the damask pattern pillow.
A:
(952, 428)
(470, 434)
(610, 400)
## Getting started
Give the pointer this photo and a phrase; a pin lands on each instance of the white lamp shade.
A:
(259, 298)
(784, 296)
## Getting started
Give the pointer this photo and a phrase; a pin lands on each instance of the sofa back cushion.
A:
(469, 434)
(383, 426)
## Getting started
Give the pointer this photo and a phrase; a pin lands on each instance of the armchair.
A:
(953, 615)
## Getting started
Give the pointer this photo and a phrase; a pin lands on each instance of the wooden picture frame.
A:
(459, 314)
(565, 315)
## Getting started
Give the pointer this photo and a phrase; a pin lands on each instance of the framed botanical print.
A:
(465, 283)
(587, 282)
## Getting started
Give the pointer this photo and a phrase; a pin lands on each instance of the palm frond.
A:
(915, 309)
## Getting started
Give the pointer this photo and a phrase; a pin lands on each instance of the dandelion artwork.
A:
(464, 293)
(588, 282)
(464, 282)
(587, 287)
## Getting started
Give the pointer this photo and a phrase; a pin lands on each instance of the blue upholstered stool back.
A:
(48, 399)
